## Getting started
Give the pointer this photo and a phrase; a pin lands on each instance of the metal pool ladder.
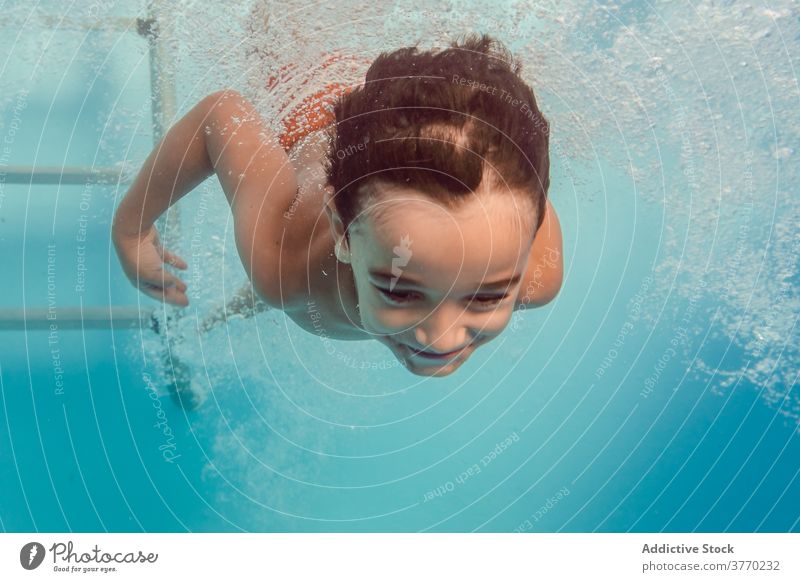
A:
(163, 110)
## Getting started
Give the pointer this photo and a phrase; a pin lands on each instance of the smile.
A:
(435, 356)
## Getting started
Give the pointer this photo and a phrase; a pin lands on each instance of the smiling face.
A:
(433, 284)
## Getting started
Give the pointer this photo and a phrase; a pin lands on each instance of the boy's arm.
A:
(545, 272)
(222, 134)
(259, 183)
(175, 166)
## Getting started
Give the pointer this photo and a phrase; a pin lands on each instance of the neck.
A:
(347, 292)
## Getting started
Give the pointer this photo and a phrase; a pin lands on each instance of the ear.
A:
(341, 247)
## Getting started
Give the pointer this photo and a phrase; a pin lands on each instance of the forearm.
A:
(176, 166)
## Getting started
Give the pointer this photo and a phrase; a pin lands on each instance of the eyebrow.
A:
(502, 284)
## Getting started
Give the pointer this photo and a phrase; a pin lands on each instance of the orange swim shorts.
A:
(315, 111)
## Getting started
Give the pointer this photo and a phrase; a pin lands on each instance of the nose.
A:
(442, 331)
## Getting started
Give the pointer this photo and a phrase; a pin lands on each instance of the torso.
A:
(321, 297)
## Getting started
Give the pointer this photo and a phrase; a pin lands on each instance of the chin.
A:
(427, 372)
(419, 367)
(431, 370)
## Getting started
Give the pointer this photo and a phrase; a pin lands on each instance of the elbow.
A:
(218, 108)
(554, 283)
(546, 296)
(542, 291)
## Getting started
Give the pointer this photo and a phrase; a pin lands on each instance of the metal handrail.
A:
(61, 318)
(114, 23)
(164, 110)
(64, 175)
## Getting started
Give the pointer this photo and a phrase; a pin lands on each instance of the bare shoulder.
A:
(295, 270)
(545, 272)
(259, 182)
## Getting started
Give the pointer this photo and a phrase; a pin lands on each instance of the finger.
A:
(153, 291)
(179, 286)
(166, 280)
(166, 294)
(174, 260)
(176, 297)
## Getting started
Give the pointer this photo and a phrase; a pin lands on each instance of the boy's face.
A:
(434, 284)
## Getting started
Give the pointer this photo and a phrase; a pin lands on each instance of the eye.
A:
(395, 296)
(407, 297)
(489, 300)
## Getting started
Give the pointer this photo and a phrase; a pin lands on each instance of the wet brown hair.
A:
(437, 121)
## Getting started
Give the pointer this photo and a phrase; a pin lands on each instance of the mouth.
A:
(434, 356)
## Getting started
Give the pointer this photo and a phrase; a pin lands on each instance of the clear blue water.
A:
(674, 152)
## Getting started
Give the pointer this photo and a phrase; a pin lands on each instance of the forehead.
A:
(487, 234)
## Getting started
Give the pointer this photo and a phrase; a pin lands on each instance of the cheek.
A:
(389, 320)
(494, 322)
(485, 323)
(377, 317)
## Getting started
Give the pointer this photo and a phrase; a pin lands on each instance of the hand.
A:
(142, 258)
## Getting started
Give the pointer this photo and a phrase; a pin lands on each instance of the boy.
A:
(417, 217)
